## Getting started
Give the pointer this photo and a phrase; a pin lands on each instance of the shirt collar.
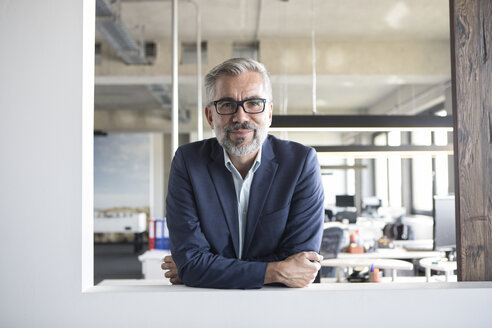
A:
(229, 165)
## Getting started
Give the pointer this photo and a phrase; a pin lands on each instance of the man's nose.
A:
(240, 115)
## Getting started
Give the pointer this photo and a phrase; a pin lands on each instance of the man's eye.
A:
(227, 105)
(254, 103)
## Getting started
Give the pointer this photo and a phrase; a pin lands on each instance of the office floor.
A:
(116, 261)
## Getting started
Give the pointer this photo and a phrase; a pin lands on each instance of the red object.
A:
(151, 234)
(354, 249)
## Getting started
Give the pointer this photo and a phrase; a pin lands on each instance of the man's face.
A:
(241, 133)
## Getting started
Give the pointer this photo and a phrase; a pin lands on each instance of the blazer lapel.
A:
(260, 187)
(226, 193)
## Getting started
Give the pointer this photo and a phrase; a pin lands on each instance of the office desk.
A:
(135, 223)
(392, 253)
(438, 264)
(388, 264)
(403, 279)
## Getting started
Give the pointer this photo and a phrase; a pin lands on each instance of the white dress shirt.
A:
(242, 187)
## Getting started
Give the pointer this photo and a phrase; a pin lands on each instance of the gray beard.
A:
(241, 149)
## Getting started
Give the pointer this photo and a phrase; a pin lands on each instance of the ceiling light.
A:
(441, 112)
(394, 17)
(369, 151)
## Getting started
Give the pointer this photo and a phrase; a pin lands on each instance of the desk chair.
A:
(398, 231)
(331, 243)
(328, 215)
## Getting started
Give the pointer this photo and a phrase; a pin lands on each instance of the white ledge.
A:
(162, 286)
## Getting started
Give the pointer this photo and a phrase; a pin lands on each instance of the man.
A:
(244, 209)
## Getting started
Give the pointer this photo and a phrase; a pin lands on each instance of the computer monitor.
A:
(444, 223)
(344, 201)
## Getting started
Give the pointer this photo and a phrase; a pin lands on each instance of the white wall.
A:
(43, 120)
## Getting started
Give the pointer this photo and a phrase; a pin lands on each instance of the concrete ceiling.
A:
(334, 19)
(410, 28)
(130, 96)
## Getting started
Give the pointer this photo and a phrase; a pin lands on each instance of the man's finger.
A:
(175, 281)
(168, 259)
(168, 266)
(313, 256)
(170, 274)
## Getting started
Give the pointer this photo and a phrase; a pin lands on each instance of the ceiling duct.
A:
(162, 94)
(111, 27)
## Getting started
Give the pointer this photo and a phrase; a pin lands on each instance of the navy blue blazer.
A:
(285, 213)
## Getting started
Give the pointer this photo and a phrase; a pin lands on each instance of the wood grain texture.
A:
(471, 39)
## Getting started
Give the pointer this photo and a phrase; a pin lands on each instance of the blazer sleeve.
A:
(197, 265)
(304, 228)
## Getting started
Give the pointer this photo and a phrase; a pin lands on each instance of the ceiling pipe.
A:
(313, 50)
(199, 106)
(408, 107)
(199, 109)
(258, 19)
(115, 32)
(175, 111)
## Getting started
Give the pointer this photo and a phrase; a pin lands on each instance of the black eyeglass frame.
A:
(239, 103)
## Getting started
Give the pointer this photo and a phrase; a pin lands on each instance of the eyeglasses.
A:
(230, 107)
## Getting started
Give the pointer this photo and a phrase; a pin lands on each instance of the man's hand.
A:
(298, 270)
(172, 272)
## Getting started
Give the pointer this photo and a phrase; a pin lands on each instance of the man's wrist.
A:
(272, 274)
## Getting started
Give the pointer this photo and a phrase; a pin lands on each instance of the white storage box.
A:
(151, 263)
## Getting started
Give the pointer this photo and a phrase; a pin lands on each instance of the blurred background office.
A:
(374, 75)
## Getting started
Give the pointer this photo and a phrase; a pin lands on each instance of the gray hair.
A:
(235, 66)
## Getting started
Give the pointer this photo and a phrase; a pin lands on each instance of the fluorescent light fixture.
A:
(356, 129)
(374, 155)
(359, 123)
(363, 151)
(441, 112)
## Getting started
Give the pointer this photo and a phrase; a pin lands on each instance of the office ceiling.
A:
(335, 19)
(250, 20)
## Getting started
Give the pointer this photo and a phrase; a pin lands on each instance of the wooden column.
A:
(471, 51)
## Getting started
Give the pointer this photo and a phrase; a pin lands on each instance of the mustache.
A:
(239, 126)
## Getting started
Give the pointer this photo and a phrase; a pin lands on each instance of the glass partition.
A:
(327, 58)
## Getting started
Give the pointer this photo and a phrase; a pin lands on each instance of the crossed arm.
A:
(298, 270)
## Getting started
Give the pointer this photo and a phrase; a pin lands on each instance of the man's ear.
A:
(270, 113)
(208, 115)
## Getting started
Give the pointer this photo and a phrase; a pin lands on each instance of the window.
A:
(394, 172)
(381, 170)
(430, 174)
